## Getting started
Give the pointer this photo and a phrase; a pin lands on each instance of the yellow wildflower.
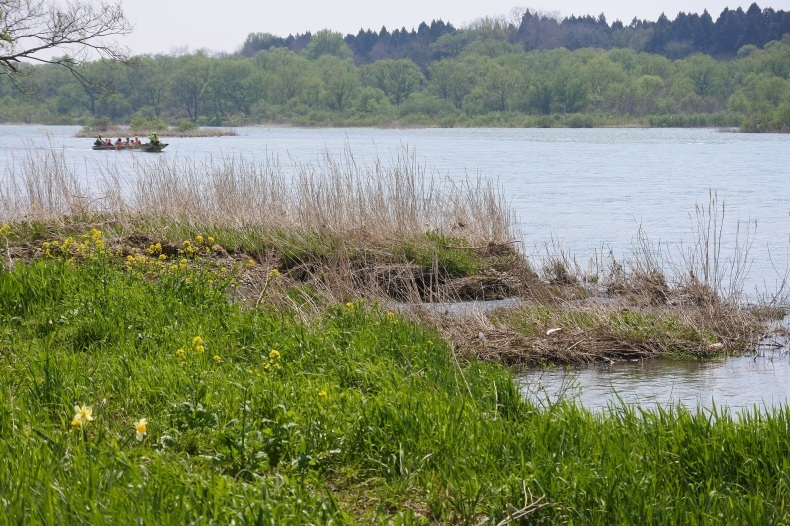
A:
(210, 240)
(83, 414)
(199, 239)
(274, 273)
(180, 352)
(274, 354)
(154, 249)
(217, 358)
(199, 349)
(322, 394)
(197, 340)
(250, 263)
(141, 429)
(350, 305)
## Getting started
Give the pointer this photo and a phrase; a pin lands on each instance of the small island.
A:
(142, 127)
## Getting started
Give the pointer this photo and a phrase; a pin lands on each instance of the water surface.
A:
(741, 383)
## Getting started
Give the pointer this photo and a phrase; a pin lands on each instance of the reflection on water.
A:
(735, 383)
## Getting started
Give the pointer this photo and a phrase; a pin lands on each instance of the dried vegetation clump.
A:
(587, 333)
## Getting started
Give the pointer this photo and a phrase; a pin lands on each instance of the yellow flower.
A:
(250, 263)
(274, 273)
(83, 414)
(180, 352)
(322, 394)
(274, 354)
(197, 340)
(141, 429)
(210, 240)
(217, 358)
(199, 239)
(350, 305)
(76, 423)
(199, 349)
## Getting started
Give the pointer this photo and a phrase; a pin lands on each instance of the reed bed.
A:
(380, 201)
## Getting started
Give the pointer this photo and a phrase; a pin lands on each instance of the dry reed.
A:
(379, 201)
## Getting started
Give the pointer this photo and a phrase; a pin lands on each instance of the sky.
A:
(174, 26)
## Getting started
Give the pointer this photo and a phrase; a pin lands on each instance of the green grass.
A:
(359, 417)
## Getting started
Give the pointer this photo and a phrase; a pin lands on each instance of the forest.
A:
(533, 70)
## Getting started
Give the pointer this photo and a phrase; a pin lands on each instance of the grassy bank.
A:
(226, 343)
(347, 414)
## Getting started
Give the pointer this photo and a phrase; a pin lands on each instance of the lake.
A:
(584, 190)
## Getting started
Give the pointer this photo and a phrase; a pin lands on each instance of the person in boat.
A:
(127, 142)
(99, 141)
(119, 142)
(137, 141)
(153, 138)
(107, 142)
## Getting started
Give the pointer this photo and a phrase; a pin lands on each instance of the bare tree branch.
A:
(30, 30)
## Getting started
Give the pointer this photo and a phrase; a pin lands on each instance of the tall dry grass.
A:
(398, 198)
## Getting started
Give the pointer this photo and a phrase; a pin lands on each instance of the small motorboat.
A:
(145, 147)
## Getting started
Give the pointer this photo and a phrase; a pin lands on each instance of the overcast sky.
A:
(174, 25)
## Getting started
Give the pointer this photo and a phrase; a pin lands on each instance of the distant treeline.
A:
(687, 34)
(490, 73)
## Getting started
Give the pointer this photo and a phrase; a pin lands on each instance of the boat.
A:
(145, 147)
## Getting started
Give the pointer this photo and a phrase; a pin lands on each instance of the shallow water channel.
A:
(738, 384)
